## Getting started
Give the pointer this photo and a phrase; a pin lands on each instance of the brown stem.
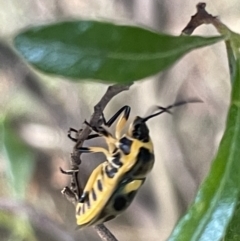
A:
(104, 233)
(201, 17)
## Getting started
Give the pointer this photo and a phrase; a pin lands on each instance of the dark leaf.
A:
(103, 51)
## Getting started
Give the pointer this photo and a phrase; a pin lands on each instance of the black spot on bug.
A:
(99, 185)
(144, 155)
(144, 163)
(117, 154)
(83, 208)
(79, 210)
(110, 171)
(125, 145)
(94, 196)
(120, 203)
(102, 172)
(84, 197)
(88, 202)
(117, 160)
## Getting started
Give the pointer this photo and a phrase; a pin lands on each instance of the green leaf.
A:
(20, 159)
(233, 231)
(103, 51)
(233, 39)
(216, 201)
(232, 42)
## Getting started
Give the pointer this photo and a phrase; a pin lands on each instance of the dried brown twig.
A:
(203, 17)
(82, 135)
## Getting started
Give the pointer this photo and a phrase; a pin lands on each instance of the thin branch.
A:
(201, 17)
(104, 233)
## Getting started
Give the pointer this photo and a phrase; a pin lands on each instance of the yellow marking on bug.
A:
(92, 179)
(111, 142)
(120, 125)
(102, 198)
(133, 186)
(100, 149)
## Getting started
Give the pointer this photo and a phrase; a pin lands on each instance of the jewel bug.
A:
(114, 183)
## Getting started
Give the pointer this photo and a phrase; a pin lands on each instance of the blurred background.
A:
(36, 111)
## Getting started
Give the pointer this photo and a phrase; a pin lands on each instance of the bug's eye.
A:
(140, 132)
(136, 129)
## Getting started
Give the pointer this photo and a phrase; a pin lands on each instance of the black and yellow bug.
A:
(114, 183)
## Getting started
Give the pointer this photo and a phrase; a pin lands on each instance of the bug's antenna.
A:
(167, 109)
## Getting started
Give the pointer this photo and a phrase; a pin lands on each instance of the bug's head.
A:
(139, 130)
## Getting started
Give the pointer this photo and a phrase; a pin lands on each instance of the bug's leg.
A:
(126, 109)
(71, 130)
(94, 150)
(108, 154)
(75, 186)
(68, 172)
(70, 195)
(101, 131)
(122, 121)
(120, 125)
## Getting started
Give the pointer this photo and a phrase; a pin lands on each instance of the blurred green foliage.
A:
(20, 159)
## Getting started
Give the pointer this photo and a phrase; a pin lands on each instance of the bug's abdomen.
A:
(94, 198)
(121, 199)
